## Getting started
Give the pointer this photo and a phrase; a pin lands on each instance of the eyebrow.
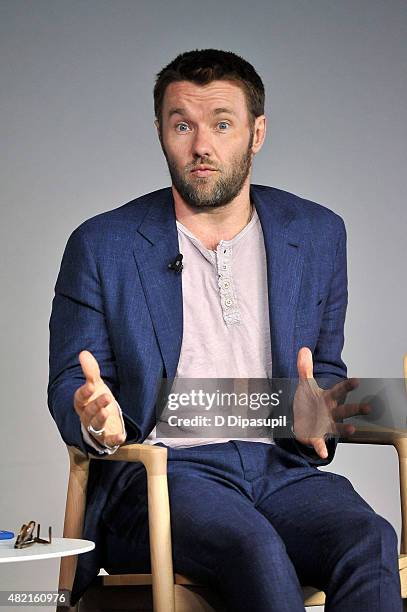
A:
(216, 111)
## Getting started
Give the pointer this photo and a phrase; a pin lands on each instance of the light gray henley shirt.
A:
(225, 315)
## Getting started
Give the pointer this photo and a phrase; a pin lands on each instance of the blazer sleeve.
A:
(77, 322)
(329, 368)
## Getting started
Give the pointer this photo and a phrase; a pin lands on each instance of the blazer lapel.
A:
(156, 245)
(283, 244)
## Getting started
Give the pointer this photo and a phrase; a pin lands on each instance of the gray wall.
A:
(77, 138)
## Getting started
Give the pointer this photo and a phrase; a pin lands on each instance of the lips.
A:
(202, 171)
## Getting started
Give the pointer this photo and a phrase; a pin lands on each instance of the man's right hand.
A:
(96, 405)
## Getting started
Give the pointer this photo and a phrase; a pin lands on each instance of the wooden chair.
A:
(162, 590)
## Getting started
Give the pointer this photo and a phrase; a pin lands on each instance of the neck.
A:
(212, 225)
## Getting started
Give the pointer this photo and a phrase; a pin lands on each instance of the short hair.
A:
(202, 66)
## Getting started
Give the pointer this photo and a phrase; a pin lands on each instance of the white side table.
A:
(59, 547)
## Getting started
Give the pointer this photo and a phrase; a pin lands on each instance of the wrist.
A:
(100, 443)
(298, 440)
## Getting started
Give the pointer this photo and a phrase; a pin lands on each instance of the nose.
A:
(202, 144)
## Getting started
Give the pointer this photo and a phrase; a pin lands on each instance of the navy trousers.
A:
(255, 522)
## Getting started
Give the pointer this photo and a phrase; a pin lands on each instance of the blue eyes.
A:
(181, 125)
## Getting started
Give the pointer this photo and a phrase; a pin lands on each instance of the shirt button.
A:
(228, 302)
(226, 284)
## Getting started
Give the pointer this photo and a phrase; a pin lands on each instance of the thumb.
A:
(305, 365)
(90, 367)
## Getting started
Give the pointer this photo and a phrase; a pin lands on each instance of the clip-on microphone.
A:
(176, 265)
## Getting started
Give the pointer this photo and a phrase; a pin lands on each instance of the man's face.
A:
(206, 126)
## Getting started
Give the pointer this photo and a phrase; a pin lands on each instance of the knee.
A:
(369, 536)
(364, 542)
(387, 534)
(378, 529)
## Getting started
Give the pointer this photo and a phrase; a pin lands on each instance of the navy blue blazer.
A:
(116, 297)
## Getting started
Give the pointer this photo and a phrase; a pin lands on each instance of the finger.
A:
(99, 420)
(90, 367)
(344, 411)
(96, 413)
(305, 366)
(340, 390)
(345, 429)
(112, 440)
(82, 395)
(320, 447)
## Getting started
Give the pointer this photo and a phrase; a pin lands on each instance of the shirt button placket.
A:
(228, 300)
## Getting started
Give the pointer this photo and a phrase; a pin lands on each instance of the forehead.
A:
(193, 97)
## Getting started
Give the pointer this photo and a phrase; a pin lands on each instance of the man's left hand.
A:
(318, 412)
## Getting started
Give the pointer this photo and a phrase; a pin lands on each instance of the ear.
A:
(259, 135)
(157, 125)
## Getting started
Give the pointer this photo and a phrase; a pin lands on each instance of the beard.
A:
(203, 193)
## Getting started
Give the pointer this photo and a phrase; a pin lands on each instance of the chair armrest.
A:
(154, 458)
(375, 434)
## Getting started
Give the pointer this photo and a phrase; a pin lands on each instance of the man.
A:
(263, 293)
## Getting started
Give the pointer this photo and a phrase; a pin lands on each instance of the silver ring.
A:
(95, 432)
